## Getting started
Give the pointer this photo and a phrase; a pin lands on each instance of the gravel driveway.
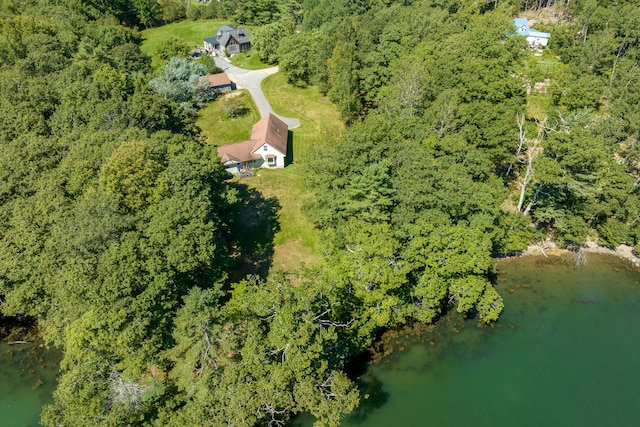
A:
(250, 80)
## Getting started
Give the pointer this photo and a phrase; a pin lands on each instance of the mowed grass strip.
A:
(319, 118)
(194, 33)
(249, 60)
(297, 240)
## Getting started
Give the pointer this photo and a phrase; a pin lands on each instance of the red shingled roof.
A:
(273, 131)
(269, 129)
(215, 80)
(238, 152)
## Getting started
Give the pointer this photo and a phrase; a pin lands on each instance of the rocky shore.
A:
(549, 248)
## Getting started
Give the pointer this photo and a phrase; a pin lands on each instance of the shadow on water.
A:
(372, 397)
(255, 222)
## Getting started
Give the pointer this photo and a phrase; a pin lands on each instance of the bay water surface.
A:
(27, 380)
(565, 352)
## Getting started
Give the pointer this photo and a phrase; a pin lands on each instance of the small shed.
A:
(218, 83)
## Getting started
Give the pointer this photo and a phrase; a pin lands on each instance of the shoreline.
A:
(547, 248)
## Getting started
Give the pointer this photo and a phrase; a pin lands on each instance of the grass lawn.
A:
(249, 60)
(219, 129)
(319, 118)
(194, 32)
(296, 241)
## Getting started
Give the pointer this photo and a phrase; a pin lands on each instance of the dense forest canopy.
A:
(115, 218)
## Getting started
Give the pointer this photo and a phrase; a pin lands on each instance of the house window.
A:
(265, 147)
(271, 161)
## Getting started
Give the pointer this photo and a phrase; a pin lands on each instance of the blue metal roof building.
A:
(534, 37)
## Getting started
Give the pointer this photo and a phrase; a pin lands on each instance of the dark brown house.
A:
(229, 40)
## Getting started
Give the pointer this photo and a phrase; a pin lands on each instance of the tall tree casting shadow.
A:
(255, 223)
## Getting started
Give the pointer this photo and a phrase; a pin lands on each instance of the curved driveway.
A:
(250, 80)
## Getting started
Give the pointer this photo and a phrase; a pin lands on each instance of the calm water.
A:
(27, 379)
(566, 352)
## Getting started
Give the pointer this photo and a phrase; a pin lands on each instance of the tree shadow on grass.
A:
(255, 223)
(289, 156)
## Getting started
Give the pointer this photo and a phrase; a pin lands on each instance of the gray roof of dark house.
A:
(227, 31)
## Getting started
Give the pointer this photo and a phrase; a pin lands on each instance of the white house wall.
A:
(537, 41)
(270, 151)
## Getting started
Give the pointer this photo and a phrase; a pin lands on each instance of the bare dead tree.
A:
(528, 176)
(534, 199)
(329, 322)
(446, 116)
(581, 257)
(206, 354)
(276, 416)
(353, 251)
(124, 391)
(452, 299)
(521, 138)
(529, 173)
(281, 350)
(326, 385)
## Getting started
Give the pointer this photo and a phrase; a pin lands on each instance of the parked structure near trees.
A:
(218, 83)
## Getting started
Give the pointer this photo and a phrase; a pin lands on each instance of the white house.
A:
(535, 38)
(267, 147)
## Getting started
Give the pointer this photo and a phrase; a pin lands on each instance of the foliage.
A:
(233, 107)
(171, 47)
(120, 234)
(301, 57)
(180, 81)
(210, 64)
(218, 129)
(266, 39)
